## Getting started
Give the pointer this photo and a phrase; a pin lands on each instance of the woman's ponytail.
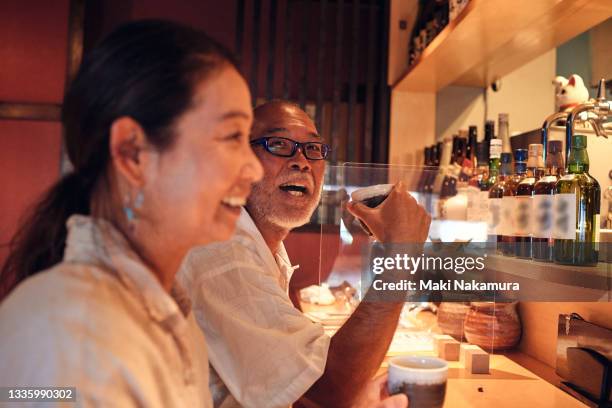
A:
(40, 241)
(147, 70)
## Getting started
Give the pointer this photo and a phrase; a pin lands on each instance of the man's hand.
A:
(375, 396)
(399, 219)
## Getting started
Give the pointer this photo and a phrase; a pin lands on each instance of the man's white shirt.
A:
(262, 350)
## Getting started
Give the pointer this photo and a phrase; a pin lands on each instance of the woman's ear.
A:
(127, 142)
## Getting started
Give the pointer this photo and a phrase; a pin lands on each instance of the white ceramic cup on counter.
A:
(421, 378)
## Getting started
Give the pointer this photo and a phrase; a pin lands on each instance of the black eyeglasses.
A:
(283, 147)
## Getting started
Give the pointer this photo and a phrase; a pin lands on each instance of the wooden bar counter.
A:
(508, 384)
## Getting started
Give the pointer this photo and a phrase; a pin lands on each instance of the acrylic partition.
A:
(470, 303)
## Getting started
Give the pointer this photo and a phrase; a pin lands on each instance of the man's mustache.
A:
(306, 179)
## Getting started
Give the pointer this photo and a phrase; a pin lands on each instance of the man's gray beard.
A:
(261, 208)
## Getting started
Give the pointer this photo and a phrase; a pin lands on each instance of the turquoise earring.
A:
(130, 215)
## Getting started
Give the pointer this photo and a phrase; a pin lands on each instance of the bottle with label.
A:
(542, 215)
(509, 201)
(478, 193)
(576, 205)
(494, 161)
(499, 225)
(524, 202)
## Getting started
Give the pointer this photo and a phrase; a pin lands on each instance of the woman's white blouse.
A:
(101, 322)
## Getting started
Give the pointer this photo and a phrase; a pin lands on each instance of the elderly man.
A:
(263, 351)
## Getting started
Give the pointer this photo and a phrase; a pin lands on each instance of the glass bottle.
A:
(445, 162)
(489, 134)
(449, 183)
(431, 175)
(576, 206)
(494, 163)
(423, 176)
(470, 150)
(542, 216)
(498, 223)
(478, 198)
(524, 202)
(509, 201)
(504, 132)
(481, 173)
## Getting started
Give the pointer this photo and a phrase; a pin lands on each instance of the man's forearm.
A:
(356, 352)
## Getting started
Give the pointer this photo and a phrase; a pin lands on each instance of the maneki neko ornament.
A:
(569, 93)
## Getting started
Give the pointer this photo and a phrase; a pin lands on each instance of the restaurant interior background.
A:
(346, 64)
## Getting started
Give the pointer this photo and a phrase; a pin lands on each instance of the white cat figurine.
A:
(569, 92)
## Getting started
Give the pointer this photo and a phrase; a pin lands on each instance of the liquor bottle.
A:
(470, 150)
(461, 148)
(423, 176)
(489, 134)
(509, 202)
(520, 165)
(431, 200)
(498, 224)
(576, 206)
(469, 160)
(504, 132)
(478, 193)
(445, 162)
(542, 216)
(431, 174)
(449, 184)
(481, 173)
(465, 165)
(494, 161)
(450, 208)
(524, 202)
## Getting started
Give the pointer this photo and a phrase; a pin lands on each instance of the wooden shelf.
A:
(491, 38)
(597, 278)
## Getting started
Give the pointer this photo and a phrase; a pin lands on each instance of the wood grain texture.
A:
(46, 112)
(491, 38)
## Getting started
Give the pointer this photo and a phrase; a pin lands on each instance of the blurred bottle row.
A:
(432, 17)
(546, 210)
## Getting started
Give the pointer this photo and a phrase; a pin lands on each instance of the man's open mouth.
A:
(295, 189)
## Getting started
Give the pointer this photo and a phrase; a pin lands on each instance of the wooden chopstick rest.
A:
(446, 347)
(474, 359)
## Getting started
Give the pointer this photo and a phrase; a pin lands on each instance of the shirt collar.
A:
(279, 259)
(96, 241)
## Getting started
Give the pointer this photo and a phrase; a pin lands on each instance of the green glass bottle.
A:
(576, 204)
(495, 147)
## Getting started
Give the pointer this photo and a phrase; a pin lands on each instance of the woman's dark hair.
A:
(147, 70)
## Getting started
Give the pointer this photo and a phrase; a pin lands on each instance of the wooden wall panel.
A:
(33, 47)
(29, 164)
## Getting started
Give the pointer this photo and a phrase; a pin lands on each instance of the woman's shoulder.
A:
(72, 321)
(64, 287)
(86, 299)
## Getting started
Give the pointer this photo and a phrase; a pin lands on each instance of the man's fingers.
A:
(396, 401)
(380, 383)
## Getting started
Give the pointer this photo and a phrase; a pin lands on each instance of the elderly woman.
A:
(156, 126)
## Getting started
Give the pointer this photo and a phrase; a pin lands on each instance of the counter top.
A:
(507, 385)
